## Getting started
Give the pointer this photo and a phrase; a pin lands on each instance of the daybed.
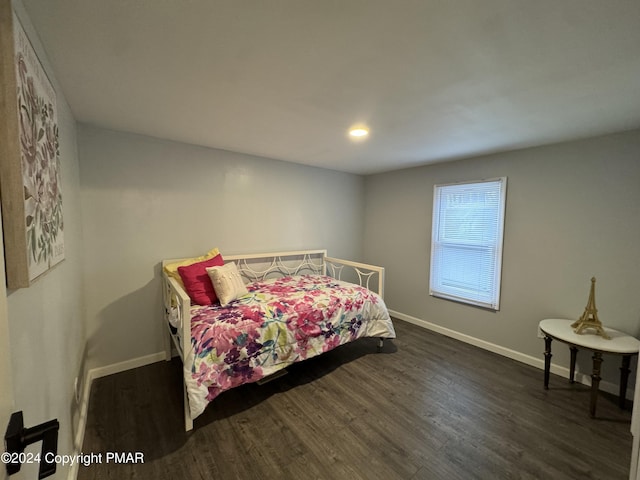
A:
(289, 307)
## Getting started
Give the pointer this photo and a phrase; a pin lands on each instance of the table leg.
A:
(572, 367)
(595, 381)
(547, 360)
(624, 379)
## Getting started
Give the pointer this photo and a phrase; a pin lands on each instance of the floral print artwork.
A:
(277, 323)
(40, 159)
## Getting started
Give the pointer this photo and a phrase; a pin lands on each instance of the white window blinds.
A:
(466, 245)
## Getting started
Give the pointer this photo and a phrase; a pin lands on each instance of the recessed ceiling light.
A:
(359, 132)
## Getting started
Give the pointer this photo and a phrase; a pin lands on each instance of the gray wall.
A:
(573, 212)
(46, 323)
(145, 200)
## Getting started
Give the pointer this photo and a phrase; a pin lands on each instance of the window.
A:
(466, 244)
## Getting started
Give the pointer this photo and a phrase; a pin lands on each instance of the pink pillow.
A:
(197, 282)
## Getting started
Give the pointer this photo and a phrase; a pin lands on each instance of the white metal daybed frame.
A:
(257, 267)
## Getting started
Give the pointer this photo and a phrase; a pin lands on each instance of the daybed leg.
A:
(167, 344)
(380, 344)
(188, 421)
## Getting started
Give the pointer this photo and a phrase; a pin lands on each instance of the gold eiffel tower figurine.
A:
(589, 318)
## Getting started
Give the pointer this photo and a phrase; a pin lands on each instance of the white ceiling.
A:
(435, 80)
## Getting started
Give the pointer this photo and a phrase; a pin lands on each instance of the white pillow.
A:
(227, 282)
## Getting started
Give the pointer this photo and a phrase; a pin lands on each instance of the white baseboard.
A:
(86, 393)
(126, 365)
(580, 377)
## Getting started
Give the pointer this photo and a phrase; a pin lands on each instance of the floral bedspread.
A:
(277, 323)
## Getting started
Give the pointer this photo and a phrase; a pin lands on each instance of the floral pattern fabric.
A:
(277, 323)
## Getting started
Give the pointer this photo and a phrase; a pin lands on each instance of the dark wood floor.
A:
(427, 407)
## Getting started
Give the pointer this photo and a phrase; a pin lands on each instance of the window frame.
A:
(457, 294)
